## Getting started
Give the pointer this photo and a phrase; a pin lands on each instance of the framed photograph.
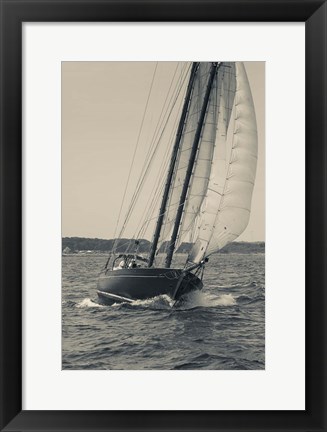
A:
(163, 215)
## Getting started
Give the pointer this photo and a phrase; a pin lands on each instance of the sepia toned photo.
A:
(163, 215)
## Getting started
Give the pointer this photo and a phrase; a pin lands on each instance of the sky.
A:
(103, 109)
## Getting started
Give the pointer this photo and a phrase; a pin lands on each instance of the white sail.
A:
(191, 122)
(219, 110)
(225, 211)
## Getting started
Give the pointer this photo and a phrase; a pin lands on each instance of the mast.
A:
(196, 140)
(172, 164)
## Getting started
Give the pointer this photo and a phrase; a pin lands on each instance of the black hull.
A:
(127, 285)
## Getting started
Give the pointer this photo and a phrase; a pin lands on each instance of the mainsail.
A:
(215, 196)
(226, 210)
(218, 111)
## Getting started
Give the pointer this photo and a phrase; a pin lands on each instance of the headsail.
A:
(225, 211)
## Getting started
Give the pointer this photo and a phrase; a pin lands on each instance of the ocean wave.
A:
(217, 328)
(192, 300)
(245, 299)
(238, 285)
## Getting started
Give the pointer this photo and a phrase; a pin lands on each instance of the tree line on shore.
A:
(75, 244)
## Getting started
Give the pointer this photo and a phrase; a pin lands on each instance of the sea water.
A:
(220, 327)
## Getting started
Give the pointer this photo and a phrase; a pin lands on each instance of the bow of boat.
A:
(127, 285)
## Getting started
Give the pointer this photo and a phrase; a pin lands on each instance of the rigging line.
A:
(151, 147)
(158, 188)
(192, 222)
(160, 185)
(146, 218)
(146, 223)
(193, 115)
(152, 201)
(181, 237)
(141, 180)
(150, 210)
(183, 231)
(158, 126)
(146, 172)
(158, 193)
(162, 116)
(121, 245)
(178, 85)
(163, 129)
(136, 147)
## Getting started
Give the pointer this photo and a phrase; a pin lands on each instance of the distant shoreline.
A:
(75, 245)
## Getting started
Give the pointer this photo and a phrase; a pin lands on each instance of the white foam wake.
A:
(159, 302)
(88, 303)
(203, 299)
(191, 301)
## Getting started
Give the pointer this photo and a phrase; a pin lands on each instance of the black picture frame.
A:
(13, 14)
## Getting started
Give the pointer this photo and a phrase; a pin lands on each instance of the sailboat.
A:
(208, 190)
